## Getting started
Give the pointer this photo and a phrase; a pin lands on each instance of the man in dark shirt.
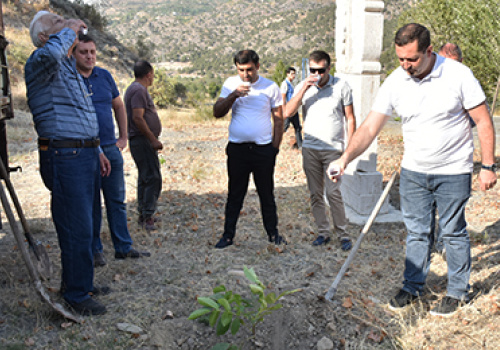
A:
(144, 128)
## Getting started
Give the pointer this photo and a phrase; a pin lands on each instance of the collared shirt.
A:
(436, 130)
(251, 114)
(324, 116)
(59, 101)
(103, 91)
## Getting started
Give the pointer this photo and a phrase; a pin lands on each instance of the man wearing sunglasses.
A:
(327, 108)
(433, 97)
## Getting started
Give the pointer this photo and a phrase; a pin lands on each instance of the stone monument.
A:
(359, 33)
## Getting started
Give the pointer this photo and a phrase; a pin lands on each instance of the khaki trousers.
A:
(315, 163)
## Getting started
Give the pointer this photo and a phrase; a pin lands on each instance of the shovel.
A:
(43, 264)
(333, 288)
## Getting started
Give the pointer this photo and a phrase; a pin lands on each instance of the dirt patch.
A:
(184, 263)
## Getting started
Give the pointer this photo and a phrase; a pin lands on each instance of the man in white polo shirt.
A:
(432, 95)
(255, 135)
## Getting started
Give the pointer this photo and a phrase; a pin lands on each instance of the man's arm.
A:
(360, 141)
(486, 134)
(351, 121)
(138, 119)
(224, 104)
(293, 105)
(121, 121)
(277, 115)
(283, 107)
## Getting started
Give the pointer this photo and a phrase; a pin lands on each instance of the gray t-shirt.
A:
(137, 96)
(324, 118)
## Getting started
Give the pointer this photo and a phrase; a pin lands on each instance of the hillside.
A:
(205, 33)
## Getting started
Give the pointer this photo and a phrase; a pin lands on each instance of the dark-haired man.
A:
(144, 128)
(255, 135)
(287, 93)
(432, 95)
(328, 108)
(70, 157)
(106, 99)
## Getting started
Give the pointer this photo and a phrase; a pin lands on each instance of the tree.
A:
(472, 24)
(279, 73)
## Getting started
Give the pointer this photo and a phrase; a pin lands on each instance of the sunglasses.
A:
(317, 70)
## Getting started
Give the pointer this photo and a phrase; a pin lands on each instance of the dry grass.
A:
(184, 264)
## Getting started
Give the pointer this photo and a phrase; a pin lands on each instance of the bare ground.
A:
(185, 265)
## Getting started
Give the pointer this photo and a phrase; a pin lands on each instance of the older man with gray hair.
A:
(69, 152)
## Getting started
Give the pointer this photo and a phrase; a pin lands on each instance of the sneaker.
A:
(149, 224)
(447, 307)
(321, 240)
(99, 260)
(89, 307)
(277, 239)
(140, 221)
(345, 244)
(100, 290)
(401, 300)
(132, 253)
(223, 243)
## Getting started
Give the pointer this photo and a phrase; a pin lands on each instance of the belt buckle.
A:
(43, 147)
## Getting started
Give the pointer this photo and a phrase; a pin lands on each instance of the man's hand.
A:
(487, 179)
(121, 143)
(105, 165)
(336, 169)
(157, 144)
(242, 90)
(76, 25)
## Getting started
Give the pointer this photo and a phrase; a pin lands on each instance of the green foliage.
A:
(92, 14)
(144, 49)
(279, 73)
(473, 25)
(228, 311)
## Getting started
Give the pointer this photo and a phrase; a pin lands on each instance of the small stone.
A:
(325, 344)
(129, 328)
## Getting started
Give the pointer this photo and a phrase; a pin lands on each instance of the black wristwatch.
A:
(493, 167)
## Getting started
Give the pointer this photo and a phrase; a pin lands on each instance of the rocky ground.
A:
(157, 294)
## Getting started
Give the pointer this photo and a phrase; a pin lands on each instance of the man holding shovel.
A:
(432, 95)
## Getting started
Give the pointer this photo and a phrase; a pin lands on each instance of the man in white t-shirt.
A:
(255, 134)
(432, 95)
(328, 108)
(287, 93)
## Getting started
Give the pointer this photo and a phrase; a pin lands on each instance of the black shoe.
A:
(401, 300)
(277, 239)
(321, 240)
(223, 243)
(100, 290)
(447, 307)
(345, 244)
(99, 260)
(89, 307)
(132, 253)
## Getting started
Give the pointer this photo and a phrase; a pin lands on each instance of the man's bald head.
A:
(452, 51)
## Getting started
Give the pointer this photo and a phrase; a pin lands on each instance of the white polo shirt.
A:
(251, 114)
(436, 130)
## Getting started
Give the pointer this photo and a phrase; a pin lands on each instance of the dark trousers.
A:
(149, 175)
(295, 121)
(242, 160)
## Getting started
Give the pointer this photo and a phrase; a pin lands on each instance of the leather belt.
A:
(92, 143)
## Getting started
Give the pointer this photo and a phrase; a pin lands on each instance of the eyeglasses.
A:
(317, 70)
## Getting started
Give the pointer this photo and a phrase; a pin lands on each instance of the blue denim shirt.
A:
(59, 100)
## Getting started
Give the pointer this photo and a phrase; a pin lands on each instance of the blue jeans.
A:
(113, 190)
(72, 176)
(421, 194)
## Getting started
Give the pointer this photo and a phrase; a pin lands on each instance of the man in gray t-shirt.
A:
(144, 128)
(328, 104)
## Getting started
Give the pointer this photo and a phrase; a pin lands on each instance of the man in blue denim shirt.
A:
(69, 152)
(106, 99)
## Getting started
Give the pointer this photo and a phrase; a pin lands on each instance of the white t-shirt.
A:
(251, 114)
(323, 113)
(436, 130)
